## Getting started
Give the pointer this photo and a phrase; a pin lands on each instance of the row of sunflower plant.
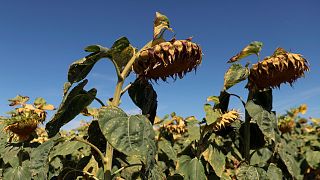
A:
(115, 145)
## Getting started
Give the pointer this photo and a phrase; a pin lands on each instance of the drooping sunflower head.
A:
(281, 67)
(225, 120)
(172, 58)
(25, 119)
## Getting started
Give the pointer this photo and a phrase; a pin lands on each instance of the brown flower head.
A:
(281, 67)
(173, 58)
(225, 120)
(25, 119)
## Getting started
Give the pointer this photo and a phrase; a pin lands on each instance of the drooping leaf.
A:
(121, 52)
(145, 97)
(274, 172)
(72, 104)
(211, 114)
(253, 48)
(260, 157)
(17, 173)
(190, 168)
(214, 99)
(313, 158)
(81, 68)
(265, 120)
(39, 159)
(161, 23)
(131, 135)
(165, 146)
(235, 74)
(290, 162)
(216, 159)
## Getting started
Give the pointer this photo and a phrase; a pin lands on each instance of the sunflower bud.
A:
(281, 67)
(173, 58)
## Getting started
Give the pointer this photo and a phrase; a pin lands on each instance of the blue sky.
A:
(40, 39)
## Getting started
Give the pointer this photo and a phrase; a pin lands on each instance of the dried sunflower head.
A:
(281, 67)
(173, 58)
(225, 120)
(25, 119)
(286, 125)
(176, 126)
(42, 136)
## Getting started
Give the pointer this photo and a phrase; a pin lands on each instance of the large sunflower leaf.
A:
(216, 159)
(131, 135)
(190, 168)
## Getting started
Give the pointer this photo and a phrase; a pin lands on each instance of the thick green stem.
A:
(247, 132)
(116, 102)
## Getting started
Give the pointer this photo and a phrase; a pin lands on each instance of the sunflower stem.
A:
(116, 101)
(247, 132)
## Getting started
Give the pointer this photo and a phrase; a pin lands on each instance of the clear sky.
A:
(39, 39)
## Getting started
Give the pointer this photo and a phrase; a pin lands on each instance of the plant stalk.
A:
(247, 132)
(116, 101)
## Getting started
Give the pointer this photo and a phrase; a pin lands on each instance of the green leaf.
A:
(72, 104)
(214, 99)
(17, 173)
(131, 135)
(274, 172)
(235, 74)
(39, 159)
(145, 97)
(216, 159)
(95, 48)
(156, 173)
(250, 173)
(265, 120)
(313, 158)
(253, 48)
(161, 23)
(121, 52)
(10, 155)
(190, 168)
(18, 100)
(81, 68)
(166, 147)
(291, 164)
(194, 132)
(211, 114)
(65, 148)
(260, 157)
